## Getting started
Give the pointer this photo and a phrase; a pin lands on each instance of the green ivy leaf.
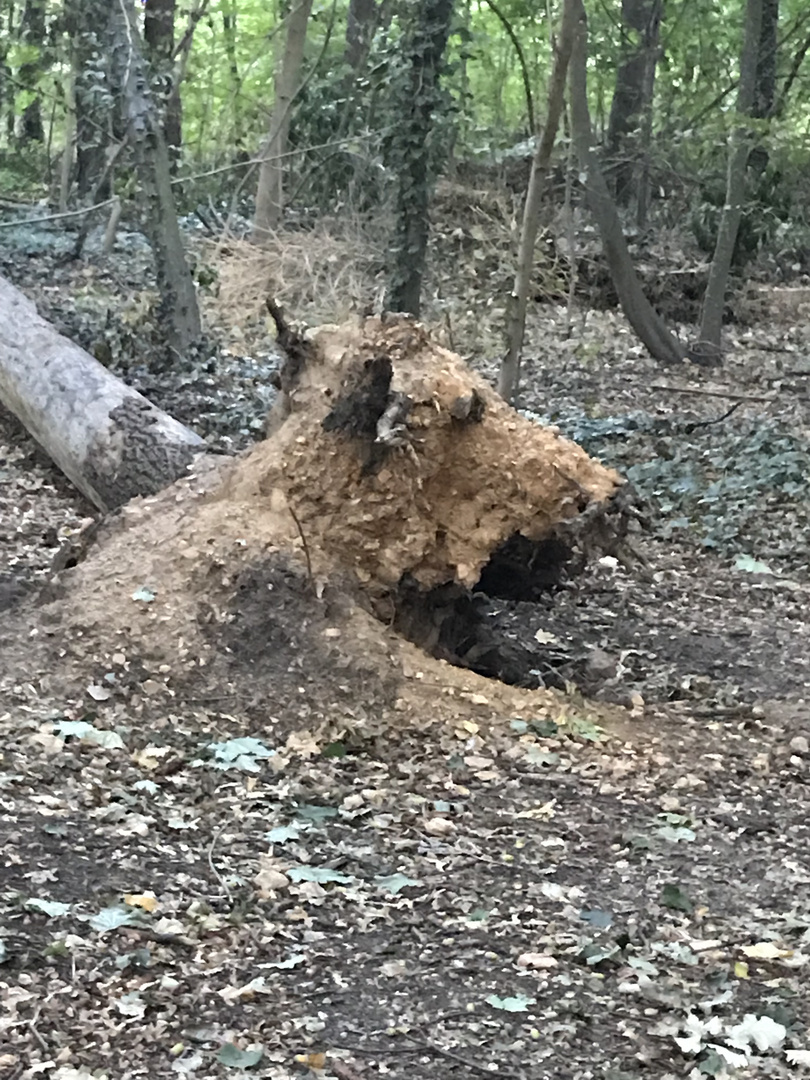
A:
(517, 1003)
(234, 1058)
(322, 874)
(673, 897)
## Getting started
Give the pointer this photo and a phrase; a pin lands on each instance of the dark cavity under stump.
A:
(474, 629)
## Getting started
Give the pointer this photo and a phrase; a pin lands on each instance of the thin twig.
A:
(716, 420)
(524, 68)
(297, 521)
(432, 1048)
(712, 393)
(377, 1051)
(32, 1027)
(56, 217)
(213, 869)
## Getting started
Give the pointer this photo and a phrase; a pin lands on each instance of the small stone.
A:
(799, 744)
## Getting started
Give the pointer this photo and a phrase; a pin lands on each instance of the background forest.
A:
(285, 117)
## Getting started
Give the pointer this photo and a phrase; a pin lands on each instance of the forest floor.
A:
(224, 884)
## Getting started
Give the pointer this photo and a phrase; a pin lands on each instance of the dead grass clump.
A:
(322, 274)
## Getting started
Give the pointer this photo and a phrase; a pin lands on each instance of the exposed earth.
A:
(302, 859)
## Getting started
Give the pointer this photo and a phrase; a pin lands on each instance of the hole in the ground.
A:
(478, 629)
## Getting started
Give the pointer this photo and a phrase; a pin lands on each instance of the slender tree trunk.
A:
(158, 35)
(229, 36)
(362, 19)
(178, 313)
(32, 36)
(711, 325)
(641, 315)
(89, 27)
(6, 85)
(645, 136)
(765, 91)
(509, 377)
(270, 189)
(632, 96)
(764, 104)
(424, 46)
(69, 151)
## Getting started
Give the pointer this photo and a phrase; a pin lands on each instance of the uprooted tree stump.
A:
(393, 483)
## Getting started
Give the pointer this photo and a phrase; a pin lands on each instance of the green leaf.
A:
(546, 729)
(594, 954)
(282, 833)
(322, 874)
(518, 1003)
(234, 1058)
(751, 566)
(674, 898)
(712, 1064)
(80, 729)
(335, 750)
(143, 595)
(139, 958)
(674, 835)
(148, 786)
(536, 755)
(51, 908)
(583, 728)
(479, 914)
(243, 754)
(112, 918)
(395, 883)
(600, 919)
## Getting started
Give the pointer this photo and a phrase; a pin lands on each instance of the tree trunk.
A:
(158, 34)
(178, 314)
(32, 37)
(108, 439)
(632, 96)
(509, 376)
(229, 37)
(362, 19)
(711, 324)
(765, 91)
(270, 189)
(89, 28)
(764, 106)
(646, 322)
(424, 45)
(6, 78)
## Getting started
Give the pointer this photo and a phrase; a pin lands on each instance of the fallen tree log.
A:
(107, 438)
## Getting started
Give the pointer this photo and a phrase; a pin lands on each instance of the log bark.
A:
(107, 438)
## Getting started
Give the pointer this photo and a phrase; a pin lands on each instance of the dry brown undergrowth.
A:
(322, 274)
